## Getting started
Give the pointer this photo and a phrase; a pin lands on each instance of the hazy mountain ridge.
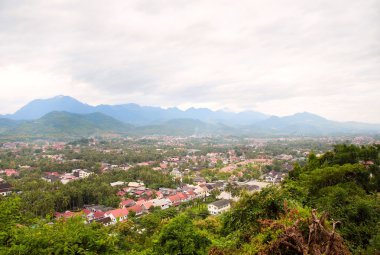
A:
(69, 117)
(309, 124)
(69, 124)
(132, 113)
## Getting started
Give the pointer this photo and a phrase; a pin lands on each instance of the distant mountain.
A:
(68, 124)
(38, 108)
(132, 113)
(308, 124)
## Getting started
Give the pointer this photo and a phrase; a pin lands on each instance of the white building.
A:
(118, 183)
(81, 173)
(136, 184)
(162, 203)
(219, 206)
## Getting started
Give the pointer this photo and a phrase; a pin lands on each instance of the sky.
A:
(275, 57)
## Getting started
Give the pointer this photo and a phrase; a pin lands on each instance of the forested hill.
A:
(64, 124)
(328, 206)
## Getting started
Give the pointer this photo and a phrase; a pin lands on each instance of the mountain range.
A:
(64, 116)
(132, 113)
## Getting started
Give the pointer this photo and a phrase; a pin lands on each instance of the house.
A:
(50, 178)
(167, 191)
(138, 193)
(81, 173)
(183, 197)
(190, 194)
(136, 208)
(159, 195)
(274, 176)
(90, 215)
(52, 173)
(162, 203)
(219, 206)
(5, 189)
(118, 183)
(176, 173)
(98, 215)
(10, 172)
(201, 191)
(120, 193)
(199, 180)
(225, 195)
(106, 221)
(144, 204)
(126, 203)
(67, 177)
(136, 184)
(251, 188)
(117, 215)
(174, 200)
(147, 205)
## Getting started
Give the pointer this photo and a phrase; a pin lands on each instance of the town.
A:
(142, 174)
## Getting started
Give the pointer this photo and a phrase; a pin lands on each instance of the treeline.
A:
(40, 198)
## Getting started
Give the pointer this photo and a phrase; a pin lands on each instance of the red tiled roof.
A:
(148, 193)
(148, 205)
(139, 192)
(118, 212)
(174, 198)
(140, 202)
(127, 202)
(182, 196)
(120, 193)
(191, 192)
(98, 215)
(86, 211)
(135, 208)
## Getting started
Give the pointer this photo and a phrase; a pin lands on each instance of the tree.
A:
(179, 236)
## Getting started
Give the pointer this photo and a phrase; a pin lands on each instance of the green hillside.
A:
(185, 127)
(70, 124)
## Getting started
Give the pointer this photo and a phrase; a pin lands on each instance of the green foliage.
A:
(268, 204)
(62, 237)
(347, 190)
(179, 236)
(10, 215)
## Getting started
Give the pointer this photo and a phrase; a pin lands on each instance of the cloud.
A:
(277, 57)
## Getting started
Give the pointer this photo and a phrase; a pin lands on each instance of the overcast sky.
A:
(276, 57)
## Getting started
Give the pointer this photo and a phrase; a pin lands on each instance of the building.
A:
(51, 178)
(106, 221)
(127, 203)
(219, 206)
(162, 203)
(176, 173)
(118, 183)
(5, 189)
(81, 173)
(117, 215)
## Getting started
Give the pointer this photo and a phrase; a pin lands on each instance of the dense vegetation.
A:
(328, 206)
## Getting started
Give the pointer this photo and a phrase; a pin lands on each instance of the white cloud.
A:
(279, 57)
